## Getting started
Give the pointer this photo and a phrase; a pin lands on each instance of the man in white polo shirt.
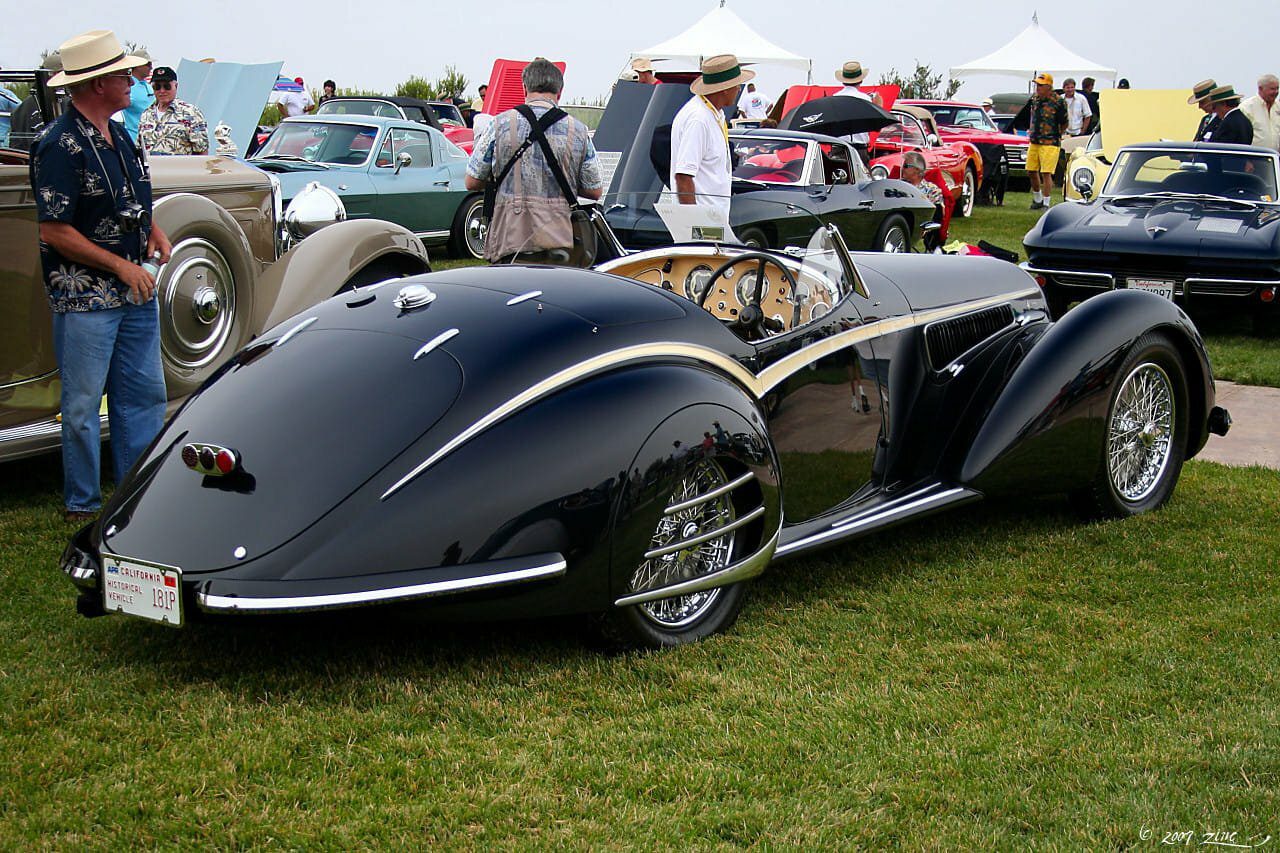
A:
(701, 172)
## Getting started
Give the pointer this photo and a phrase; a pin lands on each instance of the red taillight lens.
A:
(189, 456)
(1041, 280)
(1268, 294)
(226, 461)
(206, 458)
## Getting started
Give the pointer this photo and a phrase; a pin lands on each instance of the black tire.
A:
(687, 618)
(1144, 434)
(753, 237)
(969, 194)
(893, 232)
(205, 291)
(1058, 303)
(466, 240)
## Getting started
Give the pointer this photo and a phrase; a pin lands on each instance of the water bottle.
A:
(151, 265)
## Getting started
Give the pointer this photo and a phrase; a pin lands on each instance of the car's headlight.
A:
(1082, 179)
(879, 172)
(312, 209)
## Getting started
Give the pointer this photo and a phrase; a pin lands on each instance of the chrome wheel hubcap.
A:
(895, 241)
(197, 295)
(692, 562)
(1140, 434)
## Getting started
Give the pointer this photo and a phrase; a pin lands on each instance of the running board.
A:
(38, 437)
(919, 502)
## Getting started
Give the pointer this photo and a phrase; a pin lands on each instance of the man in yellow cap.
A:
(1048, 120)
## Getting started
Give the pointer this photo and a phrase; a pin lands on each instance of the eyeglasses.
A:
(159, 86)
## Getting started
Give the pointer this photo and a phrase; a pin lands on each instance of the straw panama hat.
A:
(1201, 90)
(851, 73)
(641, 64)
(90, 55)
(720, 73)
(1224, 95)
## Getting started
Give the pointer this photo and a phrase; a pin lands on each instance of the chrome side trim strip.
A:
(711, 495)
(758, 385)
(439, 339)
(740, 571)
(284, 339)
(1081, 273)
(705, 537)
(524, 297)
(232, 603)
(1250, 281)
(906, 505)
(41, 429)
(567, 377)
(4, 386)
(431, 234)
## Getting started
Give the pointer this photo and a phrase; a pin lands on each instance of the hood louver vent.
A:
(946, 341)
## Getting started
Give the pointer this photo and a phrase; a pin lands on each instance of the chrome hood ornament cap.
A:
(414, 296)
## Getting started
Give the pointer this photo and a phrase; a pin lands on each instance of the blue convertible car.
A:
(368, 167)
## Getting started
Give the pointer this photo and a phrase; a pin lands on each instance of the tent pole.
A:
(809, 80)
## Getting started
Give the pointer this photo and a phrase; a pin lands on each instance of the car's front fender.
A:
(357, 251)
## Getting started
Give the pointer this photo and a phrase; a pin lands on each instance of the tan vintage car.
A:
(240, 265)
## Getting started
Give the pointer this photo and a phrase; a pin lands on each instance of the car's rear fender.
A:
(357, 251)
(1044, 430)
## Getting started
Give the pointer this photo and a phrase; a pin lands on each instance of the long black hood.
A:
(1186, 228)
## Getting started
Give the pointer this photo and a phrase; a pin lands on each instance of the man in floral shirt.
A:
(171, 126)
(1048, 121)
(93, 202)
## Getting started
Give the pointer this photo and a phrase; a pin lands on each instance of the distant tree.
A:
(923, 83)
(417, 87)
(452, 84)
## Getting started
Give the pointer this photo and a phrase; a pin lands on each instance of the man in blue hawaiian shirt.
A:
(141, 95)
(93, 203)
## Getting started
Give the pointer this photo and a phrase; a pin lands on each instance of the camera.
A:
(133, 216)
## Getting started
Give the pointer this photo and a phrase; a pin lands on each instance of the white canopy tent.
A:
(721, 31)
(1031, 52)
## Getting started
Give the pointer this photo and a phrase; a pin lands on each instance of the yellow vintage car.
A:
(1133, 115)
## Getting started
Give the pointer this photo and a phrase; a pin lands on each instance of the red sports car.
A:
(955, 167)
(959, 122)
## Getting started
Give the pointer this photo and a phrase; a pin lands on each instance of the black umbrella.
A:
(837, 116)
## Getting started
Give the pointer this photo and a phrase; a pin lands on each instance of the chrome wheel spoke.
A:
(1139, 434)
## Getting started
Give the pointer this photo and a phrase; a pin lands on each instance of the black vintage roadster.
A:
(635, 441)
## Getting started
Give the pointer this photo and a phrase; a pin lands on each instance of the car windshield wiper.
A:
(293, 158)
(1165, 195)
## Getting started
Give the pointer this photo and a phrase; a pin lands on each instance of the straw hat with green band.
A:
(1201, 90)
(851, 73)
(93, 54)
(720, 73)
(1224, 95)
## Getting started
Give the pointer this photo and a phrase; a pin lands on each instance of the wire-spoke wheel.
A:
(968, 194)
(1145, 433)
(683, 548)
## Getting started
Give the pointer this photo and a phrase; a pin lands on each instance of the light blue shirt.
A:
(141, 96)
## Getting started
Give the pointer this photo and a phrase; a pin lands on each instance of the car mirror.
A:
(403, 161)
(932, 139)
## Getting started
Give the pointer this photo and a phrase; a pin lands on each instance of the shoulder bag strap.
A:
(549, 118)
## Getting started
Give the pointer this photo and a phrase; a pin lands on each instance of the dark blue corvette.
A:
(1196, 223)
(636, 441)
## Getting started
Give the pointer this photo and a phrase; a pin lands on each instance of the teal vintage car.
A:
(336, 167)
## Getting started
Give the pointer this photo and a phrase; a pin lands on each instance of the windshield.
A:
(1244, 176)
(765, 160)
(448, 114)
(385, 109)
(961, 116)
(320, 142)
(688, 243)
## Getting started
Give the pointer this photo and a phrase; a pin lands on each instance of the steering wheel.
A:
(752, 318)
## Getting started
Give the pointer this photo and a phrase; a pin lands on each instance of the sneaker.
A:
(1036, 205)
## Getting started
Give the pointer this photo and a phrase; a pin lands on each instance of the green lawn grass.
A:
(1002, 676)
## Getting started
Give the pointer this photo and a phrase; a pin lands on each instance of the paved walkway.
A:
(1254, 438)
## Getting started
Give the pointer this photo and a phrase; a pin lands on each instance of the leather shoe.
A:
(72, 516)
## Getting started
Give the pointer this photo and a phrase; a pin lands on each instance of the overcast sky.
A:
(1170, 44)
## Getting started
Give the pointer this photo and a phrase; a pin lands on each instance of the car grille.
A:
(947, 340)
(1017, 155)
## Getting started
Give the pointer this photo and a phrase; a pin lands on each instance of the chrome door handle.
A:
(440, 183)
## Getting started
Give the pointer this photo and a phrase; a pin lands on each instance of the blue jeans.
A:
(116, 350)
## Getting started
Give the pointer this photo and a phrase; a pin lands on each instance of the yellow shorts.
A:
(1042, 158)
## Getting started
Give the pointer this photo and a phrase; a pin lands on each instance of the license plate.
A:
(1158, 286)
(146, 590)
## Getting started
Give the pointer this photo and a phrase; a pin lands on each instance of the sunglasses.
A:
(162, 86)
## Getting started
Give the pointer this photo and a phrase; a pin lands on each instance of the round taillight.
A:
(1268, 294)
(206, 458)
(226, 461)
(189, 456)
(1041, 280)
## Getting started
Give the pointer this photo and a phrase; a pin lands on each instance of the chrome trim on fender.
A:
(906, 505)
(739, 571)
(1026, 266)
(711, 495)
(232, 603)
(439, 339)
(284, 339)
(524, 297)
(567, 377)
(705, 537)
(760, 385)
